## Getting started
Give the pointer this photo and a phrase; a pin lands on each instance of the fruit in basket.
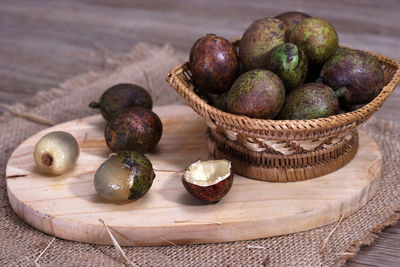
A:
(56, 152)
(317, 38)
(290, 64)
(291, 19)
(208, 181)
(124, 175)
(256, 94)
(220, 101)
(122, 96)
(259, 38)
(214, 64)
(310, 101)
(358, 72)
(313, 74)
(137, 129)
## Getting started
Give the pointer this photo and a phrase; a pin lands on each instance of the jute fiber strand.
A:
(21, 244)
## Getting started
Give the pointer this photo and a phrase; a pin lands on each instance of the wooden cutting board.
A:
(68, 207)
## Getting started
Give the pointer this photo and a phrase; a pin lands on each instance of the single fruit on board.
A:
(259, 38)
(120, 97)
(56, 152)
(310, 101)
(290, 64)
(208, 181)
(124, 175)
(291, 19)
(317, 38)
(137, 129)
(256, 94)
(356, 71)
(214, 64)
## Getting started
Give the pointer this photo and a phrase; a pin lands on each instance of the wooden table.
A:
(43, 43)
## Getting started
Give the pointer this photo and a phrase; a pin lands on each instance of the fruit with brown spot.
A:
(56, 152)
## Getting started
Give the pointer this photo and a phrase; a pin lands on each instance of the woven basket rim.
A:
(241, 122)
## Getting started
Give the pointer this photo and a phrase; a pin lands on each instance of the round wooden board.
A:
(68, 207)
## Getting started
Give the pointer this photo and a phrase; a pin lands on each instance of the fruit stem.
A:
(94, 104)
(341, 91)
(47, 159)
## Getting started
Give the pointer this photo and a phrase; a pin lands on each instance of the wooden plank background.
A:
(43, 43)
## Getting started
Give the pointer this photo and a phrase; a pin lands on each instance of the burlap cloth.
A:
(148, 65)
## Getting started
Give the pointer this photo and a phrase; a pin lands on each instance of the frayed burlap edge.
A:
(393, 218)
(368, 240)
(24, 110)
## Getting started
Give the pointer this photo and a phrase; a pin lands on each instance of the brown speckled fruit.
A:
(309, 101)
(291, 19)
(259, 38)
(317, 38)
(358, 72)
(136, 129)
(209, 180)
(122, 96)
(256, 94)
(124, 175)
(214, 64)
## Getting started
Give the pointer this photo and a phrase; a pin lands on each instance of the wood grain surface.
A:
(43, 43)
(68, 206)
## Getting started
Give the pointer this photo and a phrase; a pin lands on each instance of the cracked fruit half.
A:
(208, 181)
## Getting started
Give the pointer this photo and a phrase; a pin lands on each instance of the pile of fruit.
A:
(132, 130)
(287, 67)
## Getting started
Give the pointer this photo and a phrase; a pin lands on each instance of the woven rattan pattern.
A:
(283, 130)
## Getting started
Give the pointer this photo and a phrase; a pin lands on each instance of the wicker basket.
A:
(283, 150)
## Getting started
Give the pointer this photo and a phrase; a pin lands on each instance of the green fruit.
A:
(289, 63)
(310, 101)
(317, 38)
(358, 72)
(120, 97)
(256, 94)
(136, 129)
(214, 64)
(291, 19)
(259, 38)
(125, 175)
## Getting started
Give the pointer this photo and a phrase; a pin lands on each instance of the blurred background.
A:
(45, 42)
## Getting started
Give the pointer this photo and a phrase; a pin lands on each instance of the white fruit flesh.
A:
(205, 173)
(56, 152)
(112, 181)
